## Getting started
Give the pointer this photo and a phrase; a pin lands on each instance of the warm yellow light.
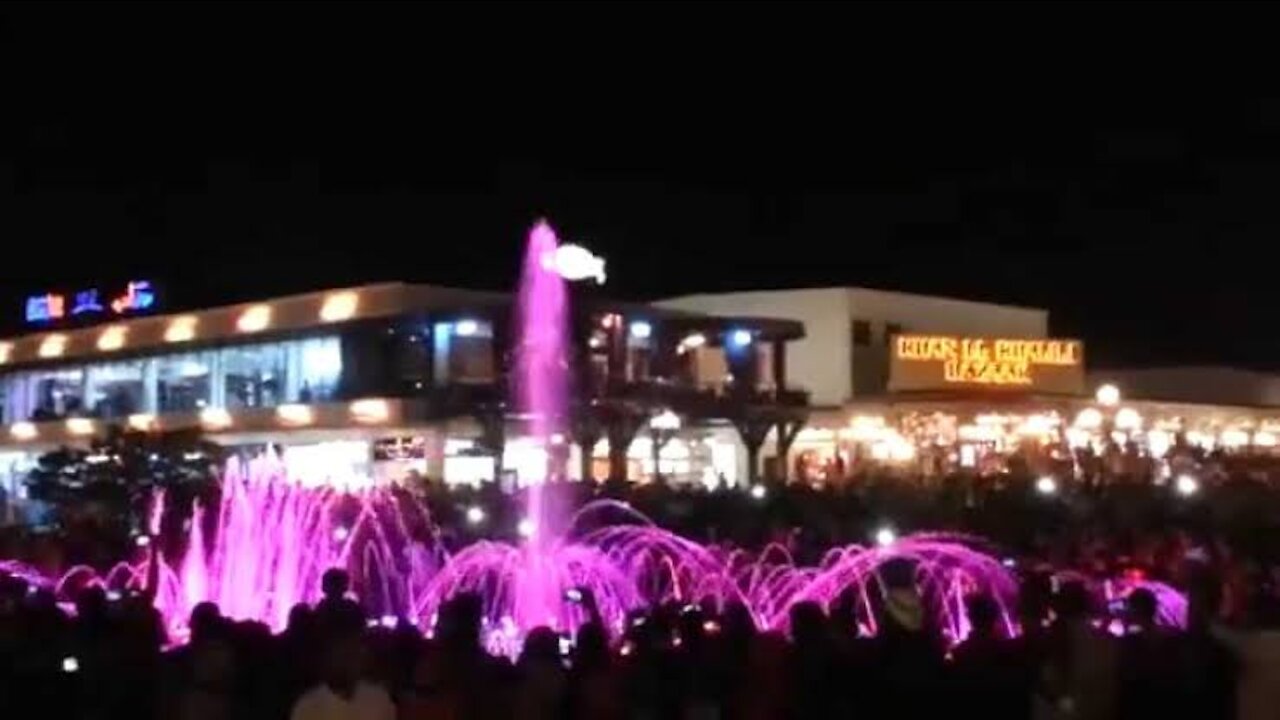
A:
(295, 414)
(1128, 419)
(112, 338)
(142, 421)
(339, 306)
(5, 350)
(1263, 438)
(370, 411)
(181, 329)
(1076, 438)
(1234, 438)
(52, 346)
(1089, 419)
(24, 431)
(80, 426)
(1108, 395)
(1159, 442)
(215, 418)
(254, 319)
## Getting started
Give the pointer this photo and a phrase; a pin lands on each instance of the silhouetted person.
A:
(813, 682)
(1079, 676)
(336, 613)
(986, 666)
(905, 658)
(342, 693)
(1147, 661)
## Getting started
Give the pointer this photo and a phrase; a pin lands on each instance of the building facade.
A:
(376, 382)
(844, 355)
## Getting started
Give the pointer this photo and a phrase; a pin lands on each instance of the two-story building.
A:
(376, 382)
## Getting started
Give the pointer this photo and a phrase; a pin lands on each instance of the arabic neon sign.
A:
(138, 296)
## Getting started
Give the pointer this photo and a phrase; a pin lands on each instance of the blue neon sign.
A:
(138, 296)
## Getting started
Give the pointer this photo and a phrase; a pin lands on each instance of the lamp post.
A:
(662, 428)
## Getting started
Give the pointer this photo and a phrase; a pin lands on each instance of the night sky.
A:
(1122, 170)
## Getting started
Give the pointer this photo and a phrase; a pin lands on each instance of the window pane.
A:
(115, 390)
(321, 361)
(254, 375)
(184, 382)
(861, 333)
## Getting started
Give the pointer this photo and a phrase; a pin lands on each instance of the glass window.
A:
(861, 333)
(45, 394)
(254, 375)
(464, 352)
(115, 390)
(320, 369)
(184, 383)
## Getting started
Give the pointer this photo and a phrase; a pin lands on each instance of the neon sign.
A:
(138, 296)
(920, 361)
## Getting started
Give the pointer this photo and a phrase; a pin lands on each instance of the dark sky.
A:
(1119, 165)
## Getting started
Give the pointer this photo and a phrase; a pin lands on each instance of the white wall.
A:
(822, 362)
(818, 363)
(931, 314)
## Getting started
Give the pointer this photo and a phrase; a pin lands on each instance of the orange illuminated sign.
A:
(921, 362)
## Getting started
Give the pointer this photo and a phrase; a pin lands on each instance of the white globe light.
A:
(526, 527)
(740, 338)
(641, 330)
(341, 533)
(475, 515)
(885, 537)
(1187, 485)
(1108, 395)
(1046, 485)
(758, 492)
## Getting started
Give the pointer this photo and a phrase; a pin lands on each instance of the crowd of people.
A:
(1072, 656)
(110, 659)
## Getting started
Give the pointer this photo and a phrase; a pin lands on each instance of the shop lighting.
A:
(885, 536)
(339, 306)
(466, 328)
(1047, 485)
(695, 340)
(1233, 439)
(476, 515)
(1128, 419)
(370, 411)
(665, 420)
(80, 426)
(112, 338)
(1107, 395)
(1187, 485)
(181, 329)
(740, 338)
(641, 330)
(24, 431)
(142, 422)
(294, 414)
(52, 346)
(254, 319)
(1262, 438)
(215, 418)
(6, 349)
(758, 492)
(1089, 419)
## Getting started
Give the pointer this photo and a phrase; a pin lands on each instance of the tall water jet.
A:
(540, 391)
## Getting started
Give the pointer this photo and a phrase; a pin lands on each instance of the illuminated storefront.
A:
(385, 383)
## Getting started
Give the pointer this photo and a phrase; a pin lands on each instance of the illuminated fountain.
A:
(273, 534)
